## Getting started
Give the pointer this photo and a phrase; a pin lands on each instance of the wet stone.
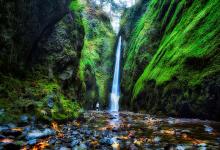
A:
(50, 102)
(128, 135)
(2, 137)
(170, 147)
(52, 141)
(75, 133)
(208, 129)
(32, 142)
(75, 143)
(186, 131)
(106, 133)
(157, 139)
(36, 134)
(11, 146)
(66, 140)
(133, 147)
(23, 119)
(10, 132)
(65, 148)
(106, 141)
(115, 129)
(11, 125)
(218, 139)
(87, 143)
(3, 128)
(80, 147)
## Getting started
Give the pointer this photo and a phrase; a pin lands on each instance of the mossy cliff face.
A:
(95, 69)
(41, 45)
(176, 43)
(23, 23)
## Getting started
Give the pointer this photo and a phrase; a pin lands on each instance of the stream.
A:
(114, 130)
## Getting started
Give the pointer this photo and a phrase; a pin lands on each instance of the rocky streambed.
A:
(104, 130)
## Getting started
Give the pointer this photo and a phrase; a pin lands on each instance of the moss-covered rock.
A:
(39, 97)
(39, 59)
(95, 70)
(178, 41)
(22, 25)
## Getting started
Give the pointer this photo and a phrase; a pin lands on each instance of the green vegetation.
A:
(38, 97)
(96, 57)
(193, 39)
(75, 6)
(66, 70)
(172, 59)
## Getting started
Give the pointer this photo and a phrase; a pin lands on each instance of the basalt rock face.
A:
(132, 66)
(41, 43)
(23, 23)
(58, 52)
(172, 60)
(43, 36)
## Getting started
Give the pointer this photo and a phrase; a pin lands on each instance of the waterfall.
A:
(115, 93)
(115, 16)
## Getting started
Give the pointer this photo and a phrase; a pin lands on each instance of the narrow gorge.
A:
(109, 74)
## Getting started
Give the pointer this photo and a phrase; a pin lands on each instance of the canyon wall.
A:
(172, 59)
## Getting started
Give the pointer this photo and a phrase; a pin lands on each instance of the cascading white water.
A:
(115, 94)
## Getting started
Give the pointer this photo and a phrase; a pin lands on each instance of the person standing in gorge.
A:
(97, 106)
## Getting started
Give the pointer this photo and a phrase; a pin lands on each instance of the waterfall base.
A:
(114, 102)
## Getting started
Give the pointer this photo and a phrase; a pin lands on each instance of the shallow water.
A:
(146, 132)
(120, 130)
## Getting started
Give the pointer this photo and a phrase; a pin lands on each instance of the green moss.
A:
(76, 6)
(96, 57)
(189, 38)
(32, 97)
(140, 48)
(65, 109)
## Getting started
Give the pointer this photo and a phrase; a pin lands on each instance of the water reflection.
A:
(114, 120)
(127, 130)
(208, 129)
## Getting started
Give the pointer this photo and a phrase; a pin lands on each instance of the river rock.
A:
(11, 125)
(10, 132)
(4, 127)
(52, 141)
(50, 102)
(75, 133)
(37, 134)
(106, 141)
(2, 136)
(208, 129)
(82, 146)
(186, 131)
(2, 111)
(218, 139)
(64, 148)
(23, 119)
(32, 142)
(11, 146)
(157, 139)
(115, 129)
(106, 133)
(75, 142)
(170, 147)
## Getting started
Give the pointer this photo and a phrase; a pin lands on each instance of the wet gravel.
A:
(124, 130)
